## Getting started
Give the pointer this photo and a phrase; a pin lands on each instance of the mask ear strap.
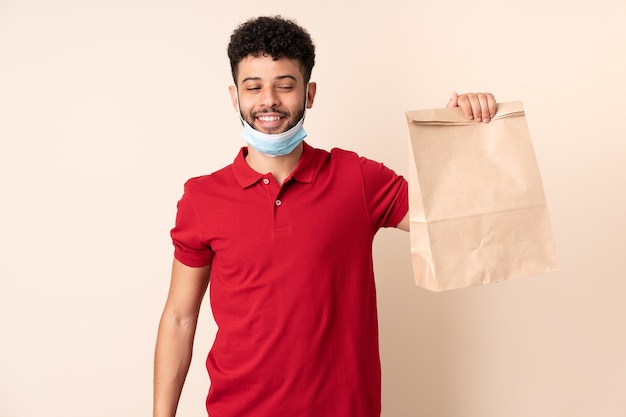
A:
(238, 106)
(306, 99)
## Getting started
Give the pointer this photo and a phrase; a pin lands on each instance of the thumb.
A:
(454, 100)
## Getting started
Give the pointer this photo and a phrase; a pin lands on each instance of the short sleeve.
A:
(189, 246)
(386, 193)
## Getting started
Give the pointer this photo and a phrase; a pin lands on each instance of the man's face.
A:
(271, 93)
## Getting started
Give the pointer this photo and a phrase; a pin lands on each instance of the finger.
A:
(491, 103)
(484, 107)
(454, 99)
(465, 103)
(475, 107)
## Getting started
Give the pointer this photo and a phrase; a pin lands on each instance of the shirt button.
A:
(278, 202)
(266, 181)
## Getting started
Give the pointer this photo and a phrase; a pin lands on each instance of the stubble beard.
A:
(251, 117)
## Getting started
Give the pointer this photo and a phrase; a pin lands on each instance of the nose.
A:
(269, 98)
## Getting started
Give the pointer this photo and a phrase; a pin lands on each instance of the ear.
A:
(311, 95)
(233, 97)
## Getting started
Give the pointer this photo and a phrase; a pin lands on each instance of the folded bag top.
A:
(454, 115)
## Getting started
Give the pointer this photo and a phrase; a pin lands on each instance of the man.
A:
(285, 234)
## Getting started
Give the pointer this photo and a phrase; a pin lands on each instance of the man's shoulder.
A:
(346, 160)
(336, 155)
(223, 176)
(346, 155)
(343, 153)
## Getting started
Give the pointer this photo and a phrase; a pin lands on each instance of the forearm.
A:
(171, 362)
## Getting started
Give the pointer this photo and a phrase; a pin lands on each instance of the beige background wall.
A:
(107, 107)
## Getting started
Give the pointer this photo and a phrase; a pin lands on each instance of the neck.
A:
(279, 166)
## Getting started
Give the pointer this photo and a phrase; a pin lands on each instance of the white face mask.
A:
(273, 144)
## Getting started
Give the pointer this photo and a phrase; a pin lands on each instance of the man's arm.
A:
(176, 333)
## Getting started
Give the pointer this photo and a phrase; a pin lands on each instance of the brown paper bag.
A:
(476, 202)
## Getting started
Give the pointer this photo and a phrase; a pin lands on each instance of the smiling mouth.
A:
(269, 118)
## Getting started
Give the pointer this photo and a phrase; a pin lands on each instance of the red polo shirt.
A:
(292, 283)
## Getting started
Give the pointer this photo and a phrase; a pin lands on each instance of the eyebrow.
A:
(280, 77)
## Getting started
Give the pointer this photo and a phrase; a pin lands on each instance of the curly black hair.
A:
(274, 36)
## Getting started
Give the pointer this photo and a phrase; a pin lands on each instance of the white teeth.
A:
(269, 118)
